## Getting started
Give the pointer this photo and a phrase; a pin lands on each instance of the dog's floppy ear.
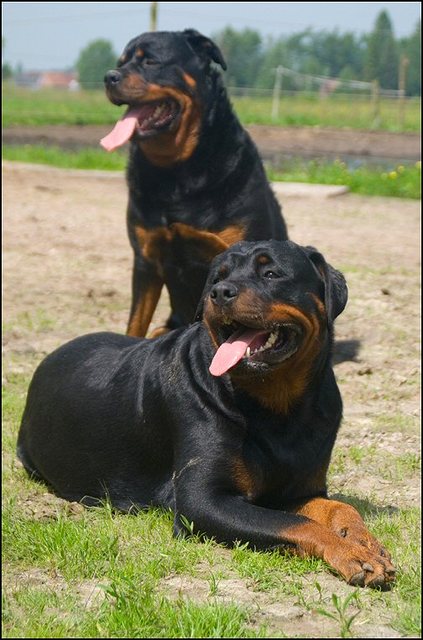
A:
(204, 47)
(336, 291)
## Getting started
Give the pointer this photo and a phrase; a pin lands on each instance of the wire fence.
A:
(363, 107)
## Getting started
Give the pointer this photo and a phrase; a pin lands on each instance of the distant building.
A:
(52, 79)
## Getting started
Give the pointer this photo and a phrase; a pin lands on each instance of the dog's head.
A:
(269, 309)
(163, 78)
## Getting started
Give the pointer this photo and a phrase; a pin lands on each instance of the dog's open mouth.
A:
(145, 120)
(254, 346)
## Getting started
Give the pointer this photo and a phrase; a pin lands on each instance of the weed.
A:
(341, 615)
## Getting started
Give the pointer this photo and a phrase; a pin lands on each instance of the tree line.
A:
(374, 56)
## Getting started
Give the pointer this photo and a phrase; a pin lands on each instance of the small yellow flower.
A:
(393, 175)
(400, 168)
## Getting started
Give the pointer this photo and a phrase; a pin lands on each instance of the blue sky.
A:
(50, 35)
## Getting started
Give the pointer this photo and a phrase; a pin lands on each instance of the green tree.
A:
(243, 55)
(93, 62)
(334, 51)
(411, 48)
(288, 52)
(6, 71)
(313, 54)
(381, 58)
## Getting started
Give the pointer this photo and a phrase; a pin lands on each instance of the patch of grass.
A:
(342, 614)
(400, 533)
(87, 158)
(401, 182)
(389, 466)
(358, 454)
(337, 111)
(13, 400)
(131, 609)
(54, 106)
(26, 107)
(273, 570)
(397, 421)
(139, 612)
(33, 321)
(395, 468)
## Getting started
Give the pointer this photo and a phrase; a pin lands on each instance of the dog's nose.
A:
(223, 292)
(112, 77)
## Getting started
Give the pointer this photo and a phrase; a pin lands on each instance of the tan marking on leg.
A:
(243, 478)
(144, 311)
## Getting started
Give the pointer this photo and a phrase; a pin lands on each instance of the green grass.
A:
(400, 182)
(53, 106)
(54, 156)
(50, 554)
(353, 112)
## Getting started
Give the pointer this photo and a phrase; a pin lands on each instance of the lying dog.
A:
(196, 182)
(240, 450)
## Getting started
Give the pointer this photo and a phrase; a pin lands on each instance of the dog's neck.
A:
(200, 137)
(172, 147)
(280, 391)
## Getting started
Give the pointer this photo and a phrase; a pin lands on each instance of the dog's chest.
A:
(277, 469)
(182, 246)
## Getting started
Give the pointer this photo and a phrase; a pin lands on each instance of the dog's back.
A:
(73, 438)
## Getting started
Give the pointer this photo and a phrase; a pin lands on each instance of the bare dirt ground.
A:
(67, 266)
(272, 142)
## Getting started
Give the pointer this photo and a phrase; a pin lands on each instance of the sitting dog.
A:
(196, 182)
(229, 422)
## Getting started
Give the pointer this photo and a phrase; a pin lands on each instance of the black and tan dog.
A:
(240, 450)
(196, 182)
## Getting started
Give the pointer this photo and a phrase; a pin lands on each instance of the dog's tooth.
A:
(271, 340)
(158, 110)
(248, 352)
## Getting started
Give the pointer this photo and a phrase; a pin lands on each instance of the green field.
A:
(52, 106)
(72, 572)
(346, 111)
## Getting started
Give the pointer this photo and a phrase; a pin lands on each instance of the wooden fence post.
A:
(375, 104)
(277, 92)
(153, 16)
(404, 62)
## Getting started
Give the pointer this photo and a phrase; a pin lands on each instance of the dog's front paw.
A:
(360, 535)
(361, 566)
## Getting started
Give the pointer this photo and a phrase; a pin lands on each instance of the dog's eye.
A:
(270, 274)
(149, 62)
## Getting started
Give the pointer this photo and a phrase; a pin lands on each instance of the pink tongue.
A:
(121, 132)
(232, 351)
